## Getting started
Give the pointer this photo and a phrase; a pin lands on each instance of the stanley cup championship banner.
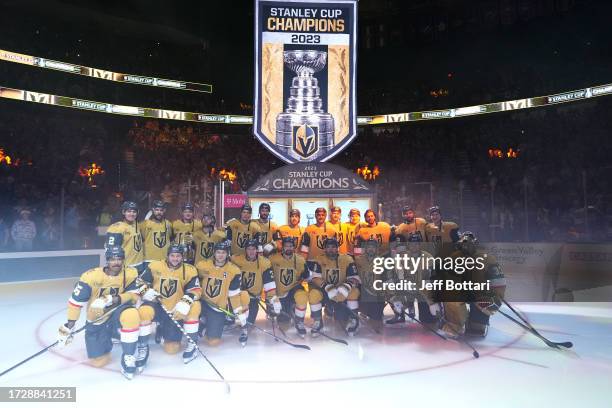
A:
(305, 59)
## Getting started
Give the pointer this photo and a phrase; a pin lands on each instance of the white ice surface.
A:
(403, 367)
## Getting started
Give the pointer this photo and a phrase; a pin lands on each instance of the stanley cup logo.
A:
(304, 131)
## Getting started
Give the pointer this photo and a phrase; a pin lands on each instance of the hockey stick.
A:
(337, 340)
(87, 324)
(274, 321)
(228, 313)
(182, 330)
(529, 327)
(475, 353)
(531, 330)
(356, 315)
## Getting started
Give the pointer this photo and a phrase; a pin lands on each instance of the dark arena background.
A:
(487, 121)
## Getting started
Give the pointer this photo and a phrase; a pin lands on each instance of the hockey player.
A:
(372, 228)
(354, 222)
(411, 225)
(98, 290)
(441, 234)
(128, 235)
(292, 230)
(175, 285)
(482, 303)
(372, 301)
(400, 301)
(205, 239)
(314, 236)
(342, 230)
(257, 276)
(290, 271)
(337, 276)
(184, 229)
(221, 281)
(156, 233)
(268, 229)
(240, 231)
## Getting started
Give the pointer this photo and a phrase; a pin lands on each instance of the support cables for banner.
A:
(538, 101)
(103, 74)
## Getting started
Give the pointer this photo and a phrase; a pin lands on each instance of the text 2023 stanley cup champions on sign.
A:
(305, 57)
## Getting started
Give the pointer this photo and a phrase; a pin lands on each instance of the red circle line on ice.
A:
(317, 380)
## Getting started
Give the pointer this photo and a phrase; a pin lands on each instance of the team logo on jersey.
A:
(306, 140)
(333, 276)
(340, 237)
(137, 242)
(286, 276)
(206, 249)
(263, 237)
(248, 280)
(167, 287)
(213, 287)
(379, 238)
(321, 241)
(242, 238)
(305, 77)
(160, 239)
(108, 291)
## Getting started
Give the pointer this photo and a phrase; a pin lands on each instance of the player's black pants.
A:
(253, 309)
(425, 315)
(99, 337)
(165, 326)
(477, 316)
(215, 321)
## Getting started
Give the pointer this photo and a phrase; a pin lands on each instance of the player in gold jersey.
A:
(372, 301)
(221, 280)
(98, 290)
(337, 276)
(290, 272)
(441, 234)
(204, 240)
(292, 230)
(184, 229)
(156, 233)
(128, 235)
(175, 285)
(411, 225)
(372, 228)
(342, 230)
(354, 222)
(313, 239)
(242, 230)
(257, 278)
(268, 229)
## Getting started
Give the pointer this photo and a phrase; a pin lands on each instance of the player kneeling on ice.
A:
(173, 287)
(415, 272)
(290, 271)
(112, 287)
(337, 276)
(257, 277)
(460, 319)
(220, 285)
(372, 301)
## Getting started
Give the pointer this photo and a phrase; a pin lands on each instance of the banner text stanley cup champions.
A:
(305, 60)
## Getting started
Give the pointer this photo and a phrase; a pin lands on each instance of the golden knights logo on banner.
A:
(305, 61)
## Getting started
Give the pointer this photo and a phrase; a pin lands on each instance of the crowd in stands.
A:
(557, 188)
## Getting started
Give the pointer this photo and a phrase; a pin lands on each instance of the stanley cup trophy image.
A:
(304, 131)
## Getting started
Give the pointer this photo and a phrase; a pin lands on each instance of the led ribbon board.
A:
(305, 62)
(538, 101)
(103, 74)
